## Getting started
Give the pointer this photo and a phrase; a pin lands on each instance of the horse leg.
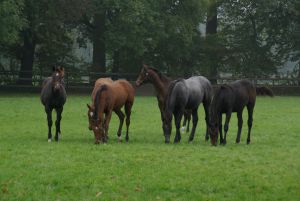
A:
(121, 118)
(240, 125)
(226, 126)
(250, 120)
(220, 129)
(195, 122)
(106, 125)
(185, 117)
(206, 110)
(188, 116)
(57, 122)
(177, 117)
(128, 113)
(49, 119)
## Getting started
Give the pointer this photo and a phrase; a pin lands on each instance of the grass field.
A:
(146, 168)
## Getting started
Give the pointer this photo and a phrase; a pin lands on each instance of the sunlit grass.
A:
(146, 168)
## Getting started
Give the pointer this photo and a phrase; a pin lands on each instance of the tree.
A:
(256, 35)
(10, 21)
(45, 39)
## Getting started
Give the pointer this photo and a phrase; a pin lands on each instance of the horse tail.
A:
(170, 89)
(97, 99)
(264, 91)
(208, 92)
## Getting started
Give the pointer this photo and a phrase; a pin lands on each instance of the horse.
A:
(186, 94)
(53, 96)
(230, 98)
(99, 82)
(110, 97)
(161, 84)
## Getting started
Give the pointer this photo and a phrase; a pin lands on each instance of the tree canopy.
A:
(248, 37)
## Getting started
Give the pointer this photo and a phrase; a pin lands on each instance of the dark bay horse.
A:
(53, 96)
(110, 97)
(186, 94)
(161, 84)
(233, 98)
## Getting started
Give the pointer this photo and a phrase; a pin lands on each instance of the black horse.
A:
(186, 94)
(53, 96)
(233, 98)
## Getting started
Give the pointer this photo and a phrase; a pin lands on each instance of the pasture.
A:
(146, 168)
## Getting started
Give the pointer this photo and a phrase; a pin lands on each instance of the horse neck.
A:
(100, 107)
(160, 84)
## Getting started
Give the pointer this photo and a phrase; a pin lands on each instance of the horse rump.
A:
(264, 91)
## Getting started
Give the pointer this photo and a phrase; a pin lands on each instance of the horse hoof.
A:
(49, 140)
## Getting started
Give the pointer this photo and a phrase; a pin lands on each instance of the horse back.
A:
(245, 92)
(123, 92)
(199, 90)
(99, 82)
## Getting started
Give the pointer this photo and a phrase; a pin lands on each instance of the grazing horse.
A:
(161, 84)
(186, 94)
(99, 82)
(233, 98)
(53, 96)
(110, 97)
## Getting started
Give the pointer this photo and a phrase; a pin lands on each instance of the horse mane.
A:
(160, 74)
(97, 99)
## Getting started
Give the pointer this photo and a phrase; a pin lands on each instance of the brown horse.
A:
(108, 97)
(99, 82)
(230, 98)
(161, 84)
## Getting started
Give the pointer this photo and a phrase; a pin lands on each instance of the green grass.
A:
(146, 168)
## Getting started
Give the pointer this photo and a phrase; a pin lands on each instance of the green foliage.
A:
(257, 35)
(11, 21)
(253, 37)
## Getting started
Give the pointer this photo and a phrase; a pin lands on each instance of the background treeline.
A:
(242, 37)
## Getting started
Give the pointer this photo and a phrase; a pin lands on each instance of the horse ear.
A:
(62, 71)
(145, 66)
(53, 68)
(89, 106)
(223, 87)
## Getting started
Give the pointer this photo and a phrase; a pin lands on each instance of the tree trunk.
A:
(99, 59)
(211, 30)
(116, 63)
(27, 59)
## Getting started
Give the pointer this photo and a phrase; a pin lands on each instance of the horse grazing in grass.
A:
(186, 94)
(233, 98)
(53, 96)
(99, 82)
(110, 97)
(161, 84)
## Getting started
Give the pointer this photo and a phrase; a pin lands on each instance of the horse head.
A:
(143, 76)
(57, 78)
(93, 124)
